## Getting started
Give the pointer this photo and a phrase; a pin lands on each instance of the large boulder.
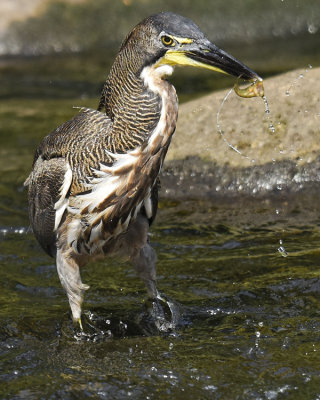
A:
(274, 152)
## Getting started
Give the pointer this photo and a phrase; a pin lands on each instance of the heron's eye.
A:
(167, 40)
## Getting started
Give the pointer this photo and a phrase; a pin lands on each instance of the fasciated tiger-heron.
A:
(93, 189)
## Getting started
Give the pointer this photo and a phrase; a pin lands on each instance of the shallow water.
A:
(247, 318)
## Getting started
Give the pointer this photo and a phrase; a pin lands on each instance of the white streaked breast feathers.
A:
(62, 203)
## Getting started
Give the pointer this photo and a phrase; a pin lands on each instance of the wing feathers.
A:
(49, 184)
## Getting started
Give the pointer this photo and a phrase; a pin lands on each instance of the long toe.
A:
(164, 313)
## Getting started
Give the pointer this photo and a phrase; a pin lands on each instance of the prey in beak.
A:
(203, 54)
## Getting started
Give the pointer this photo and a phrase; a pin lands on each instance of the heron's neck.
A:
(134, 101)
(154, 79)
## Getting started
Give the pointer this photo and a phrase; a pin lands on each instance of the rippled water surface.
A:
(247, 318)
(242, 275)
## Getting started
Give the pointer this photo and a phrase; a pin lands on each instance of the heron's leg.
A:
(161, 309)
(144, 262)
(69, 274)
(141, 254)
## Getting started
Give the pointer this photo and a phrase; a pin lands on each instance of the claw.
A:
(80, 323)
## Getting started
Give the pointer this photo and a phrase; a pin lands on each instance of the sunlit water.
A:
(241, 274)
(247, 324)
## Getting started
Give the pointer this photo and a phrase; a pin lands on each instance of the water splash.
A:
(282, 250)
(14, 230)
(221, 131)
(219, 128)
(267, 112)
(296, 81)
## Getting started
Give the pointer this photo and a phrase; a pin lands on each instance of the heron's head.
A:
(167, 39)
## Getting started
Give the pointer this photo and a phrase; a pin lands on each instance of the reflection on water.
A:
(248, 319)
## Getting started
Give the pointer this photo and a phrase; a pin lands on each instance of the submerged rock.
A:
(276, 152)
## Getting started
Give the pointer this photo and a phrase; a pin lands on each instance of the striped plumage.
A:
(93, 190)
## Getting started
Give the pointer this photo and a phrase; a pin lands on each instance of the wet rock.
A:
(272, 152)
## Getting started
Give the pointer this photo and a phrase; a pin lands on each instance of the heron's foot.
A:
(78, 323)
(89, 328)
(77, 330)
(164, 313)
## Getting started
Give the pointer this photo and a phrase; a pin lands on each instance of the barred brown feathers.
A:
(93, 189)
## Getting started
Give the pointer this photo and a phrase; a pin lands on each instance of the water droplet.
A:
(312, 29)
(210, 387)
(267, 112)
(282, 251)
(295, 81)
(266, 105)
(271, 128)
